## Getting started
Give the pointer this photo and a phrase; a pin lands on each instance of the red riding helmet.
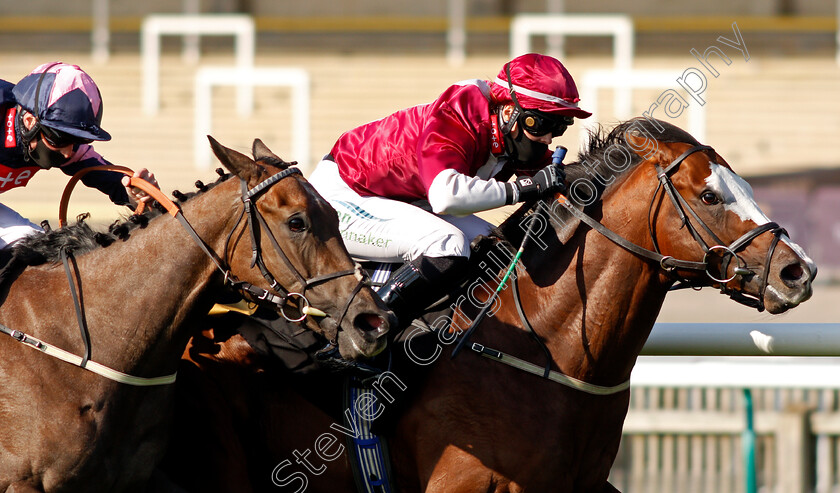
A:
(540, 83)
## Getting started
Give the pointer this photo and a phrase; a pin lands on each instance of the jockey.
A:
(50, 119)
(405, 187)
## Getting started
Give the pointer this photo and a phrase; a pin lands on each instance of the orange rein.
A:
(140, 183)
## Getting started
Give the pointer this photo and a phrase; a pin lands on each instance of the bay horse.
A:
(67, 429)
(660, 209)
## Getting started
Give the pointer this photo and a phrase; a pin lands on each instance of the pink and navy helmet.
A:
(540, 83)
(63, 97)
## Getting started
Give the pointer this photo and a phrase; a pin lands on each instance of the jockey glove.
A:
(544, 183)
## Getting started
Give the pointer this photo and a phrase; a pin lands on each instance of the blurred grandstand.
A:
(777, 112)
(775, 117)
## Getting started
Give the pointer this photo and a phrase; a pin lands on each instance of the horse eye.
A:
(709, 198)
(297, 224)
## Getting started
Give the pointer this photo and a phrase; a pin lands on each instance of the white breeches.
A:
(13, 227)
(387, 230)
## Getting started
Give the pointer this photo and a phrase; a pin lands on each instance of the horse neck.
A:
(138, 295)
(592, 302)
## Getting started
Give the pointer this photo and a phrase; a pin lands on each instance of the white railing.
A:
(557, 26)
(456, 32)
(295, 78)
(100, 34)
(620, 27)
(155, 26)
(723, 356)
(744, 339)
(623, 82)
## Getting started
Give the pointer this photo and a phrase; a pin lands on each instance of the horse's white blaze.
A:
(737, 196)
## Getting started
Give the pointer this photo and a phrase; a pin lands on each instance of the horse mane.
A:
(81, 238)
(591, 164)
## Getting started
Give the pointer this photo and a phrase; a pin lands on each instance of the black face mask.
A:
(45, 157)
(523, 150)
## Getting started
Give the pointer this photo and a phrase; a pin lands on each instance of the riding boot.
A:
(419, 283)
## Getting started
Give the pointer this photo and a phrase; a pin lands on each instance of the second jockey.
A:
(406, 187)
(50, 118)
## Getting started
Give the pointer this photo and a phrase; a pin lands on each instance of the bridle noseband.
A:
(671, 264)
(256, 222)
(730, 251)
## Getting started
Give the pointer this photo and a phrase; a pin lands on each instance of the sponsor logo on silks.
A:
(358, 211)
(526, 182)
(497, 146)
(366, 239)
(15, 177)
(9, 140)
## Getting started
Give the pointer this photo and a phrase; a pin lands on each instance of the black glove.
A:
(544, 183)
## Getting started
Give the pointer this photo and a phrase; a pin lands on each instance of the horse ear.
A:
(237, 163)
(263, 155)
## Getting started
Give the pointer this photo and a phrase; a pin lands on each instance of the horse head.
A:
(705, 222)
(313, 274)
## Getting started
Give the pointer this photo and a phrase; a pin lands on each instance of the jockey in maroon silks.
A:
(405, 187)
(50, 118)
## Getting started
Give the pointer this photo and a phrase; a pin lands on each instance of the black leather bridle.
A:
(671, 264)
(277, 299)
(280, 295)
(666, 262)
(257, 222)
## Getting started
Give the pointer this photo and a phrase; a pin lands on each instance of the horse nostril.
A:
(368, 322)
(793, 273)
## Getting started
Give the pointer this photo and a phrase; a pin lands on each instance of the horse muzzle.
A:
(366, 339)
(789, 286)
(784, 282)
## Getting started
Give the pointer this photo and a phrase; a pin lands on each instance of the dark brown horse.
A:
(673, 210)
(69, 429)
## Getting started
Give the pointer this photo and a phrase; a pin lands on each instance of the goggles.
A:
(535, 122)
(538, 124)
(60, 139)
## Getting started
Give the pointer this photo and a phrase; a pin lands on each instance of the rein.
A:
(729, 251)
(666, 262)
(510, 360)
(93, 366)
(257, 222)
(279, 302)
(669, 263)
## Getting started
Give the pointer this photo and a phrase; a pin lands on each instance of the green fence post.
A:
(748, 444)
